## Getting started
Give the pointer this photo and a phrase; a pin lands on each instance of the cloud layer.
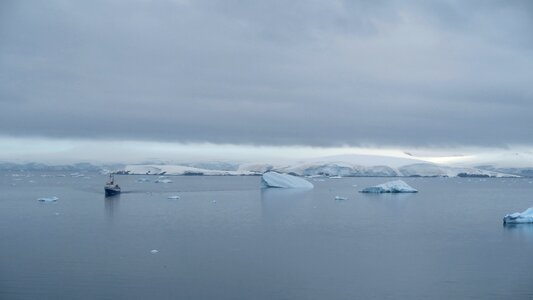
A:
(316, 72)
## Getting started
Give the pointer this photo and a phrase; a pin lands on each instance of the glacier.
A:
(277, 180)
(396, 186)
(519, 218)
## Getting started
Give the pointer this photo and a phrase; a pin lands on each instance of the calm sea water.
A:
(225, 238)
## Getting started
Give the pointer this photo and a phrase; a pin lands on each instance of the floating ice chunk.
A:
(518, 218)
(48, 199)
(163, 181)
(143, 179)
(396, 186)
(335, 177)
(340, 198)
(174, 197)
(154, 251)
(277, 180)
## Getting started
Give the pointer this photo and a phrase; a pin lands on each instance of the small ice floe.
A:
(396, 186)
(214, 201)
(175, 197)
(277, 180)
(354, 185)
(48, 199)
(57, 214)
(335, 177)
(154, 251)
(31, 181)
(143, 179)
(340, 198)
(519, 218)
(163, 181)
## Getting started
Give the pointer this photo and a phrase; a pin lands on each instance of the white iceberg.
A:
(519, 218)
(48, 199)
(396, 186)
(163, 181)
(175, 197)
(340, 198)
(277, 180)
(143, 179)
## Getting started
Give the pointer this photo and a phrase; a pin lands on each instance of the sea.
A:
(226, 238)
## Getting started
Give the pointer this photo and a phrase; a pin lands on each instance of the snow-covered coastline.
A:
(322, 168)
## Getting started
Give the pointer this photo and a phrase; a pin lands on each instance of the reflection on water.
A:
(281, 205)
(388, 196)
(111, 206)
(519, 230)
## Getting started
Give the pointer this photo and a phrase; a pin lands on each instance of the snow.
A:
(177, 170)
(48, 199)
(433, 170)
(396, 186)
(256, 168)
(277, 180)
(518, 218)
(333, 166)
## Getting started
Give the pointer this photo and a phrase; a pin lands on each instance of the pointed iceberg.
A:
(277, 180)
(519, 218)
(396, 186)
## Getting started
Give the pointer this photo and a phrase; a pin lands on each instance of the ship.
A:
(111, 188)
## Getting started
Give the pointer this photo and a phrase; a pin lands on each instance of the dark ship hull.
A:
(111, 191)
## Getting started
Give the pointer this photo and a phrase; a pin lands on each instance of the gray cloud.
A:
(279, 72)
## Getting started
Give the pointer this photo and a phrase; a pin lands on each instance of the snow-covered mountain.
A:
(344, 166)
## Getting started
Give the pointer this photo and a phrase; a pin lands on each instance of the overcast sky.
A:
(316, 73)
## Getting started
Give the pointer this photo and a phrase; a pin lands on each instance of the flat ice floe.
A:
(396, 186)
(163, 181)
(519, 218)
(277, 180)
(48, 199)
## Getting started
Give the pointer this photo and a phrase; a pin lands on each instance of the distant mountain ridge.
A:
(332, 166)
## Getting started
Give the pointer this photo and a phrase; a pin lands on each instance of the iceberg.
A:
(175, 197)
(519, 218)
(396, 186)
(163, 181)
(48, 199)
(340, 198)
(277, 180)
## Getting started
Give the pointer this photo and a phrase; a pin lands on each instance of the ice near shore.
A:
(277, 180)
(396, 186)
(519, 218)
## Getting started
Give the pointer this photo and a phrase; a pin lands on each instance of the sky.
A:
(440, 78)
